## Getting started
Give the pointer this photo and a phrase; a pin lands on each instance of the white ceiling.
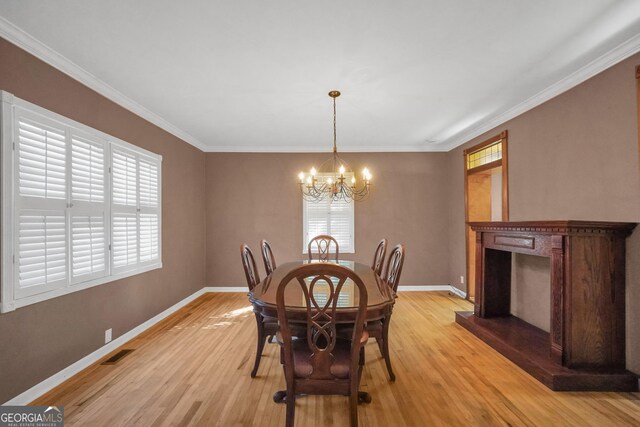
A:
(253, 75)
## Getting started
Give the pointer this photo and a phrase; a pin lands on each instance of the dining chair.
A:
(322, 246)
(393, 270)
(267, 257)
(379, 329)
(266, 326)
(320, 362)
(378, 257)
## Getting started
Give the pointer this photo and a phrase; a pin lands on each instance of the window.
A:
(80, 208)
(485, 155)
(334, 218)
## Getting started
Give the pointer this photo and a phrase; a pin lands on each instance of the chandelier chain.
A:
(335, 147)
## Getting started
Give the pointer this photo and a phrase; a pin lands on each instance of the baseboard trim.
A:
(419, 288)
(243, 289)
(433, 288)
(56, 379)
(424, 288)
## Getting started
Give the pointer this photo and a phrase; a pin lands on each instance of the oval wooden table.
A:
(379, 303)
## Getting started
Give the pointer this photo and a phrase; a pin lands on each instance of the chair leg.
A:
(291, 406)
(353, 404)
(385, 347)
(260, 346)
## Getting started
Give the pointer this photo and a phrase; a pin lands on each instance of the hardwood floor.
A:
(193, 369)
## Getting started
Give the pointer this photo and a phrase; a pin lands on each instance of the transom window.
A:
(485, 155)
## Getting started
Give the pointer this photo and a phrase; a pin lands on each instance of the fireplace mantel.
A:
(586, 342)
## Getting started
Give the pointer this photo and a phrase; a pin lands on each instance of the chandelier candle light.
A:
(334, 178)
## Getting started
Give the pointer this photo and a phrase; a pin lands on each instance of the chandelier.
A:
(334, 179)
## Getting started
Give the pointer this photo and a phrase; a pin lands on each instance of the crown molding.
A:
(598, 65)
(410, 148)
(27, 42)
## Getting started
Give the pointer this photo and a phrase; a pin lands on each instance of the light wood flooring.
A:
(193, 369)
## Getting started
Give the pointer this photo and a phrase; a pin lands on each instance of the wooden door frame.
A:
(638, 104)
(504, 162)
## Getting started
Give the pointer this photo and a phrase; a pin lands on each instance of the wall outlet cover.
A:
(107, 335)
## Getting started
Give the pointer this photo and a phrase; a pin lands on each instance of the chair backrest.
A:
(249, 264)
(378, 257)
(321, 316)
(394, 267)
(322, 246)
(267, 257)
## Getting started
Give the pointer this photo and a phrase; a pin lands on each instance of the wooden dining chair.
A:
(379, 329)
(267, 257)
(393, 270)
(266, 326)
(378, 257)
(321, 362)
(322, 246)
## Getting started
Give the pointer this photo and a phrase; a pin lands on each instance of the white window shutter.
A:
(41, 160)
(125, 175)
(87, 170)
(124, 210)
(341, 223)
(88, 246)
(41, 252)
(124, 244)
(149, 218)
(335, 218)
(80, 208)
(316, 220)
(149, 237)
(148, 184)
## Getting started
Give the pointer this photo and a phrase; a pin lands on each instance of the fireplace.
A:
(584, 348)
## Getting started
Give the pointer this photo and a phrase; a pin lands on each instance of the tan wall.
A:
(256, 196)
(573, 157)
(41, 339)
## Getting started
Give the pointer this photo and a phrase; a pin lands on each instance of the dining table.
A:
(380, 299)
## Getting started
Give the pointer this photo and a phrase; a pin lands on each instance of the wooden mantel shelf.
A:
(586, 341)
(557, 227)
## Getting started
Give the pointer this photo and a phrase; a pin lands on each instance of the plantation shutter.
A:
(124, 208)
(89, 247)
(335, 218)
(341, 223)
(41, 217)
(149, 210)
(316, 220)
(135, 209)
(80, 208)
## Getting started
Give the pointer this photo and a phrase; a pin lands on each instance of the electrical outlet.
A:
(107, 335)
(462, 280)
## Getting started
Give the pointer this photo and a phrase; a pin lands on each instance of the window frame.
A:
(9, 300)
(305, 227)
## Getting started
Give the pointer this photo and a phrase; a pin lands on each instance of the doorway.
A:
(486, 194)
